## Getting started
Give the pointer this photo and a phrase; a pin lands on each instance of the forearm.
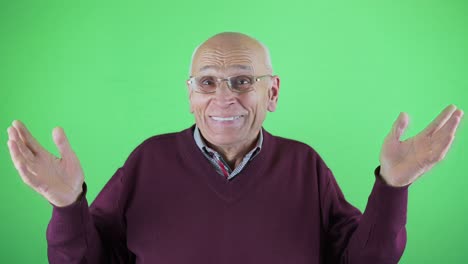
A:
(72, 236)
(381, 234)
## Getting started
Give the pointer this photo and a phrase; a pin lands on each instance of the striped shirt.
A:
(217, 160)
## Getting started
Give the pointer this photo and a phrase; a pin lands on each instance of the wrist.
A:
(73, 199)
(389, 179)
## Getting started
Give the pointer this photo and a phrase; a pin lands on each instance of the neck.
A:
(233, 154)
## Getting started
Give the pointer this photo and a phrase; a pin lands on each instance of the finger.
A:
(450, 127)
(399, 126)
(440, 149)
(445, 136)
(61, 142)
(13, 134)
(26, 137)
(440, 120)
(21, 165)
(25, 151)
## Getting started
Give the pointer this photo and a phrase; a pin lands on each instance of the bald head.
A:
(228, 51)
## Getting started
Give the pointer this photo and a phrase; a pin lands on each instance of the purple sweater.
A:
(168, 205)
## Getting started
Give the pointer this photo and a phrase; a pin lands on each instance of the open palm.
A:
(402, 162)
(59, 180)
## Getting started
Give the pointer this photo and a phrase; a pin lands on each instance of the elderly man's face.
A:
(226, 118)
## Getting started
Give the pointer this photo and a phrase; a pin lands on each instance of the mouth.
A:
(226, 118)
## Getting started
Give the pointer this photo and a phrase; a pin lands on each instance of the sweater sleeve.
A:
(376, 236)
(96, 234)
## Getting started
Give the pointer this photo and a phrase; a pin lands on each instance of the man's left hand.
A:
(402, 162)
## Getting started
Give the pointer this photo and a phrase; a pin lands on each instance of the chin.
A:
(223, 136)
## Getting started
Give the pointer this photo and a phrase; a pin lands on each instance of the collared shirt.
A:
(217, 160)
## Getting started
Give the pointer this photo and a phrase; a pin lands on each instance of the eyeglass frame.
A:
(191, 81)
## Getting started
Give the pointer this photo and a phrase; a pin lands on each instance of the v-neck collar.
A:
(228, 190)
(224, 169)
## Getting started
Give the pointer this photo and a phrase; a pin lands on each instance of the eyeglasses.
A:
(238, 84)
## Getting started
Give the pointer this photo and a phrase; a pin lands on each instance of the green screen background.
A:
(112, 73)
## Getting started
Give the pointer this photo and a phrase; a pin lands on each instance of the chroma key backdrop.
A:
(112, 73)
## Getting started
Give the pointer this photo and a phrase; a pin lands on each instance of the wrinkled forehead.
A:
(228, 61)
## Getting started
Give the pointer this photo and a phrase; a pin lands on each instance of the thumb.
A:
(400, 125)
(61, 142)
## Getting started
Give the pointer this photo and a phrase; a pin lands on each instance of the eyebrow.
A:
(235, 66)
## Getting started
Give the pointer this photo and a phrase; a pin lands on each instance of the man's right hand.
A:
(59, 180)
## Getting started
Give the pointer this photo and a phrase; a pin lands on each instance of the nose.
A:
(223, 95)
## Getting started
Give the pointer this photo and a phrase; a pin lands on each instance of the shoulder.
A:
(162, 145)
(296, 150)
(293, 146)
(301, 159)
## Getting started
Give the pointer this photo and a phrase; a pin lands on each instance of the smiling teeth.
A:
(226, 118)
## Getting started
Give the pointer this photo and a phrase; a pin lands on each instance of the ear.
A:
(190, 93)
(273, 94)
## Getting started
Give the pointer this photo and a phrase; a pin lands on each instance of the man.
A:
(225, 190)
